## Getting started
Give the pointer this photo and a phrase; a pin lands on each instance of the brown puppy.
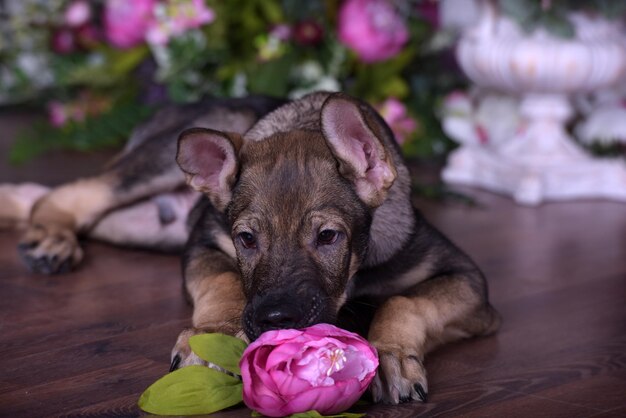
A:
(305, 218)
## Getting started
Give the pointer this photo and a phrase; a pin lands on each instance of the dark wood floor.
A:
(88, 343)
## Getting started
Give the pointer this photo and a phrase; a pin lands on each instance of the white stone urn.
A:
(540, 162)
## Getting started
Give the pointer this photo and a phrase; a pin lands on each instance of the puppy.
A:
(301, 214)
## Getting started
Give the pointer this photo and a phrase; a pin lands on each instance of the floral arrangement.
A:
(317, 370)
(101, 66)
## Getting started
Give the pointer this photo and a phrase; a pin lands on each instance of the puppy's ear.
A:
(209, 160)
(362, 157)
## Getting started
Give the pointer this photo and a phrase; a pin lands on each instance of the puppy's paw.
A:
(50, 249)
(400, 378)
(182, 355)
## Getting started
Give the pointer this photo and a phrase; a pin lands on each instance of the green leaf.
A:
(192, 390)
(220, 349)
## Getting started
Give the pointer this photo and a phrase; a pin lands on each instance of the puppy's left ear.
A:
(362, 156)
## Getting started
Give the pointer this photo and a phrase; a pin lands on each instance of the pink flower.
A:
(63, 41)
(57, 114)
(77, 13)
(77, 110)
(177, 17)
(395, 114)
(308, 33)
(322, 368)
(281, 32)
(126, 22)
(372, 28)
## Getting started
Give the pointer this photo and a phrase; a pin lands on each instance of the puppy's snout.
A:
(282, 310)
(277, 317)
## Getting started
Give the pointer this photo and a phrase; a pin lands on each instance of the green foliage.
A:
(192, 390)
(220, 349)
(107, 130)
(105, 68)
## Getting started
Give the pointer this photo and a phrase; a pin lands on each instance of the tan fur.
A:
(225, 243)
(218, 302)
(16, 201)
(74, 205)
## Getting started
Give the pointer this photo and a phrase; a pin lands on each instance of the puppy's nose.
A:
(277, 317)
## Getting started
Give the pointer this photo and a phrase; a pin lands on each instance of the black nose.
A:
(277, 317)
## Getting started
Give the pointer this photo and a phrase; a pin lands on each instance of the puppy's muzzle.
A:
(282, 310)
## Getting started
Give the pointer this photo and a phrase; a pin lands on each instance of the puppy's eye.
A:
(327, 237)
(247, 240)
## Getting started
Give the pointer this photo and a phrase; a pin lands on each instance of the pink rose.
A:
(322, 368)
(126, 22)
(372, 28)
(395, 114)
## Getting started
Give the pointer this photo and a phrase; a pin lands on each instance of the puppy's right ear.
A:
(209, 160)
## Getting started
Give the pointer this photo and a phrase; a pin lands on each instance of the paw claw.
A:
(175, 363)
(421, 392)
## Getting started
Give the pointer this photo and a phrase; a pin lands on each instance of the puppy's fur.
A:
(304, 217)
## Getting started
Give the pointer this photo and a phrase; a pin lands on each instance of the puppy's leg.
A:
(16, 202)
(50, 245)
(442, 309)
(214, 287)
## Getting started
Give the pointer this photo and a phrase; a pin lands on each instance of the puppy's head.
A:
(299, 204)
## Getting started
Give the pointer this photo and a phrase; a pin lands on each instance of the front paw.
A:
(50, 249)
(400, 378)
(182, 355)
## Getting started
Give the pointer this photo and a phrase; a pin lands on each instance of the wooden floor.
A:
(88, 343)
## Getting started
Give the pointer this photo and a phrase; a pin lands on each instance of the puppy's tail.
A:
(16, 202)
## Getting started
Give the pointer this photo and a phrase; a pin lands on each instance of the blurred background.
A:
(480, 74)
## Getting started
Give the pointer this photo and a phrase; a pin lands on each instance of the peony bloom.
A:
(322, 368)
(126, 22)
(372, 28)
(395, 114)
(177, 17)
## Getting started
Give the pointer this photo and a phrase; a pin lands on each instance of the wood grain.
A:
(88, 343)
